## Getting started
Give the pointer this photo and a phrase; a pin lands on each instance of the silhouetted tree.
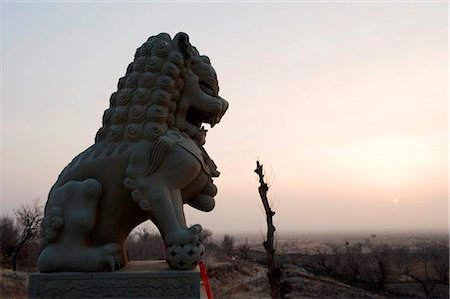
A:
(244, 249)
(423, 272)
(440, 261)
(354, 260)
(323, 260)
(336, 251)
(17, 232)
(227, 244)
(8, 237)
(274, 273)
(330, 258)
(402, 256)
(382, 258)
(206, 235)
(145, 244)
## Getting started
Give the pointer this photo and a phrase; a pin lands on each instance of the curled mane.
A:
(146, 98)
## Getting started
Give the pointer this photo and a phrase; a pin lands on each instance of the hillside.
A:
(244, 279)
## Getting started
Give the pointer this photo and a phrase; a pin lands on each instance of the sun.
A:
(395, 200)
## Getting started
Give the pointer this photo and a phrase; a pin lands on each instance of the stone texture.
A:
(150, 279)
(147, 161)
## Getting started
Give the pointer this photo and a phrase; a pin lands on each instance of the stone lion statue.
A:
(147, 161)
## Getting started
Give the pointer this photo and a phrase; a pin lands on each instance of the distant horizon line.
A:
(350, 232)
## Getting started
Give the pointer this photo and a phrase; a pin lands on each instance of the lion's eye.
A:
(209, 91)
(206, 88)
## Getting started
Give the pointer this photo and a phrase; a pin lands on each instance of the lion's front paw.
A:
(184, 236)
(185, 257)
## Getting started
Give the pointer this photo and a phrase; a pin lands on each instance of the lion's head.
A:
(169, 85)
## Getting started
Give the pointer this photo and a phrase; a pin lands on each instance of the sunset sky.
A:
(345, 104)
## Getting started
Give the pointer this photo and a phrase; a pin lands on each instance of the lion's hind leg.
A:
(71, 215)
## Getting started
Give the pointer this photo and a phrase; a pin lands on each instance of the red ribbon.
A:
(205, 279)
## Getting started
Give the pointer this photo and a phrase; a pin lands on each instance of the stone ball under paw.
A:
(184, 257)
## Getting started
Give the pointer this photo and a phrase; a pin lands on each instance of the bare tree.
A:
(323, 260)
(440, 261)
(145, 244)
(227, 244)
(330, 258)
(8, 237)
(146, 235)
(422, 271)
(17, 233)
(212, 248)
(382, 257)
(274, 273)
(206, 235)
(402, 258)
(244, 249)
(336, 263)
(354, 260)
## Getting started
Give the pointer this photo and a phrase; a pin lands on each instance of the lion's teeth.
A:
(203, 130)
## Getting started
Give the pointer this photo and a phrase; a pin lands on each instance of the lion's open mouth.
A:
(195, 120)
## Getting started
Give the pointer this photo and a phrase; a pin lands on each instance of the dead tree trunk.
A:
(274, 269)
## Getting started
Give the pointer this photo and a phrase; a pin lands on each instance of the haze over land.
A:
(344, 103)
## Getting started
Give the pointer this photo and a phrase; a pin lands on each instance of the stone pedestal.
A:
(147, 279)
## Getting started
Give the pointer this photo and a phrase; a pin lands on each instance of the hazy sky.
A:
(344, 103)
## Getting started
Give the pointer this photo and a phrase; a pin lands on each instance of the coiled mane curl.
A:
(146, 98)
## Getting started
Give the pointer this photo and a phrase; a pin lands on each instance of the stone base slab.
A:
(146, 279)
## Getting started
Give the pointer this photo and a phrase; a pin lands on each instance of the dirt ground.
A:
(235, 279)
(13, 285)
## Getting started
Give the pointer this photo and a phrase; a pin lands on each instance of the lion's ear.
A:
(182, 44)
